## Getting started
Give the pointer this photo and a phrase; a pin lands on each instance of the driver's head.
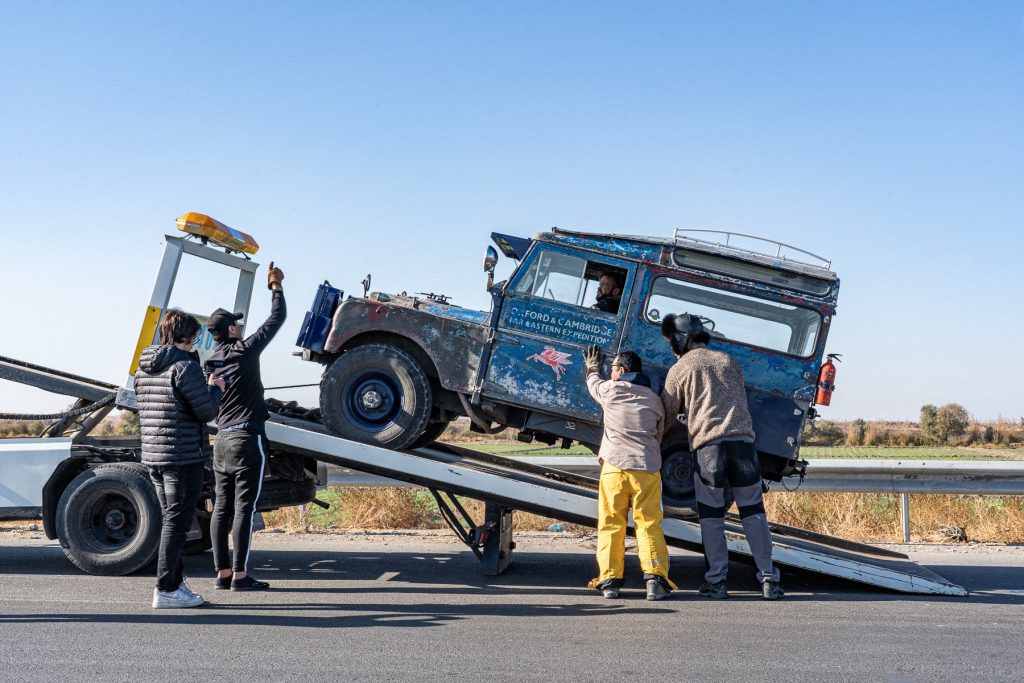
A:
(609, 286)
(683, 332)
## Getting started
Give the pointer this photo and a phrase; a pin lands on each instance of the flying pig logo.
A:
(556, 360)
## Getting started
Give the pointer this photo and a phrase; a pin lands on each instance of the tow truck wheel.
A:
(108, 519)
(377, 394)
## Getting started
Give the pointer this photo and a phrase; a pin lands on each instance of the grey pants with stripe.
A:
(239, 463)
(732, 463)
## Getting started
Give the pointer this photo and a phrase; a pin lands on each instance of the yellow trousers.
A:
(620, 490)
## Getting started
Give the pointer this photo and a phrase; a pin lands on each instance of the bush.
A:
(856, 432)
(929, 415)
(951, 420)
(823, 433)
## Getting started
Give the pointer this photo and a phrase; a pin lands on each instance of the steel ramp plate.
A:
(573, 498)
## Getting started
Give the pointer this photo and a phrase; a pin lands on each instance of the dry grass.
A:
(855, 516)
(389, 508)
(876, 517)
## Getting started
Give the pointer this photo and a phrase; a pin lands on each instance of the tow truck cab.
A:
(399, 368)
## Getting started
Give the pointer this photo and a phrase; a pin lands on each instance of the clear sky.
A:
(393, 137)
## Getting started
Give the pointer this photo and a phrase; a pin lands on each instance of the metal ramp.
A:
(506, 485)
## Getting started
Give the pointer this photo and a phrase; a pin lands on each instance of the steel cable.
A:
(67, 413)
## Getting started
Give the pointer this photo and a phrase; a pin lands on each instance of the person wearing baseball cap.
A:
(240, 452)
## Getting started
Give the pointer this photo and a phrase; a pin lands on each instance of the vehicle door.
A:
(546, 322)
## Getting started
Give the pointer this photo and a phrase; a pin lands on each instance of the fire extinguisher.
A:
(826, 380)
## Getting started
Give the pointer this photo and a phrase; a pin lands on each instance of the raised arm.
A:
(259, 340)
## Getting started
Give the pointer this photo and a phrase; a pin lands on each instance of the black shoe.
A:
(249, 584)
(222, 583)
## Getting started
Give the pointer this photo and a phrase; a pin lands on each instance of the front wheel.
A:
(108, 519)
(377, 394)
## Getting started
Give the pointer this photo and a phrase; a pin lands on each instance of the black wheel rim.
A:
(677, 477)
(111, 521)
(371, 400)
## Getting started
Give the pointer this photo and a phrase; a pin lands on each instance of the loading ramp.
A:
(504, 485)
(507, 485)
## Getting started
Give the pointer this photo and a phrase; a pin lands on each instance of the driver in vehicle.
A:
(609, 292)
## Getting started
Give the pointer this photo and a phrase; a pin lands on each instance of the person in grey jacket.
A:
(175, 403)
(708, 386)
(630, 457)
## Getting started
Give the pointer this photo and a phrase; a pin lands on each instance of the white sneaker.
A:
(182, 597)
(188, 589)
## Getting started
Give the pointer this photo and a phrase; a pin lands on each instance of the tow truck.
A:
(95, 497)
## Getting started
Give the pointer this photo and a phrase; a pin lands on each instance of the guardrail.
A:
(903, 477)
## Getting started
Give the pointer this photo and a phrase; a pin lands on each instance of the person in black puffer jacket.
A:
(175, 403)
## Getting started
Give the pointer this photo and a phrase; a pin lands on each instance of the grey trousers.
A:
(732, 463)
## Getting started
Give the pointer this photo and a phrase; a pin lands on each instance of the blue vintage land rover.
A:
(399, 368)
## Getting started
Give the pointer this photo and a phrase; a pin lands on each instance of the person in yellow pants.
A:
(630, 457)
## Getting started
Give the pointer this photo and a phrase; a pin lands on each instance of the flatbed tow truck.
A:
(96, 499)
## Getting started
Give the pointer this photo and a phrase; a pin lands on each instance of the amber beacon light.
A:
(212, 230)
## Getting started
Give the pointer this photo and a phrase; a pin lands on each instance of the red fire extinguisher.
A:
(826, 380)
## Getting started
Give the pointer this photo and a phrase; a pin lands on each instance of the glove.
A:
(274, 276)
(592, 358)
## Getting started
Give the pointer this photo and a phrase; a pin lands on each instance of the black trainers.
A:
(249, 584)
(715, 591)
(222, 583)
(771, 590)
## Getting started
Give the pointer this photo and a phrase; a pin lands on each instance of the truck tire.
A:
(677, 468)
(376, 394)
(108, 519)
(434, 430)
(203, 543)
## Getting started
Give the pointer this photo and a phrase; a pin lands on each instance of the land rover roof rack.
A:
(720, 241)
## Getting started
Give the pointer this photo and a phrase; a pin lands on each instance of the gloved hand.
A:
(592, 358)
(274, 276)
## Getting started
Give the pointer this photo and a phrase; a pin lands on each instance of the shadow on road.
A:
(456, 572)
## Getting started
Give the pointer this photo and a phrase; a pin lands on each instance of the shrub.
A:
(856, 432)
(951, 420)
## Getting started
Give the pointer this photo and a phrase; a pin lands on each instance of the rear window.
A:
(752, 271)
(738, 317)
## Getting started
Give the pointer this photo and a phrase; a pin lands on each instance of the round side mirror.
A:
(490, 260)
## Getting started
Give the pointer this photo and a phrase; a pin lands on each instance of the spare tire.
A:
(377, 394)
(108, 519)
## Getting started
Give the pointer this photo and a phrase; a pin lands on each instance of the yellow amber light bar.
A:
(221, 235)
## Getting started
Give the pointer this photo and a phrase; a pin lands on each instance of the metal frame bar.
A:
(681, 236)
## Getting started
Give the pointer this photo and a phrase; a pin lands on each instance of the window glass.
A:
(737, 317)
(753, 271)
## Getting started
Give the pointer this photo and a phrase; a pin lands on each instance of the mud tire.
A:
(376, 394)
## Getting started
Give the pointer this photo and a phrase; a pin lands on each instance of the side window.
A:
(737, 317)
(571, 280)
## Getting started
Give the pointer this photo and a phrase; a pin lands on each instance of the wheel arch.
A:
(407, 344)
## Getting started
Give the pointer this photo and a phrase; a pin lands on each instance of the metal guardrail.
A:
(857, 476)
(901, 477)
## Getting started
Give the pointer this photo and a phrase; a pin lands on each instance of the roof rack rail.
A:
(681, 239)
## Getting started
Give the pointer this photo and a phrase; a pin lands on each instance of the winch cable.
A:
(84, 410)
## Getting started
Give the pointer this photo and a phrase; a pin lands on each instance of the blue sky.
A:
(393, 137)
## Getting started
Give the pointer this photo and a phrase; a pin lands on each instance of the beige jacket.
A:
(633, 422)
(708, 387)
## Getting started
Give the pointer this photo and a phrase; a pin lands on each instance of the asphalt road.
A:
(409, 607)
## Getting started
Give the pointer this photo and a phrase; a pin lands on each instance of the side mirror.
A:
(490, 260)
